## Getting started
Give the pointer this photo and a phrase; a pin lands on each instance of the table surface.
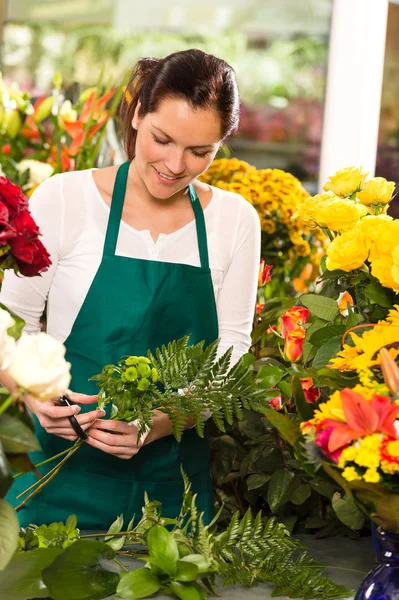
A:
(354, 558)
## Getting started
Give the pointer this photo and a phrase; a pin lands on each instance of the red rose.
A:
(28, 251)
(12, 197)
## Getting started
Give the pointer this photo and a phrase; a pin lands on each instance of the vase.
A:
(382, 582)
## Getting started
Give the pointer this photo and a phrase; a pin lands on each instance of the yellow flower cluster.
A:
(276, 195)
(370, 458)
(355, 209)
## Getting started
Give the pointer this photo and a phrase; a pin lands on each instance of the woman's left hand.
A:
(121, 442)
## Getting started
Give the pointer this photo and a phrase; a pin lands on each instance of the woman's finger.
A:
(118, 427)
(115, 450)
(82, 398)
(58, 412)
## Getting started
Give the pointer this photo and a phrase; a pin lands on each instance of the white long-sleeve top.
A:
(72, 217)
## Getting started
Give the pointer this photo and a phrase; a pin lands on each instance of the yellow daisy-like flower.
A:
(332, 409)
(350, 474)
(267, 225)
(371, 476)
(367, 347)
(393, 315)
(302, 248)
(347, 455)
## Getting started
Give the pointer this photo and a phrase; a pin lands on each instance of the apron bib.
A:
(132, 305)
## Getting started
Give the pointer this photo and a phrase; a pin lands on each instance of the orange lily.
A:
(362, 418)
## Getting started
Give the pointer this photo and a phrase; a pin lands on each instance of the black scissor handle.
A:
(66, 401)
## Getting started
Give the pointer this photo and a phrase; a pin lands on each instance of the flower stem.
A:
(6, 404)
(44, 462)
(124, 567)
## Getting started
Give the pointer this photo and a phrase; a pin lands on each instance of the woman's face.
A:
(175, 145)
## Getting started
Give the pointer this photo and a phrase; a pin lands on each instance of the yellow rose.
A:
(347, 251)
(339, 214)
(375, 229)
(384, 238)
(395, 267)
(382, 268)
(306, 209)
(346, 182)
(376, 191)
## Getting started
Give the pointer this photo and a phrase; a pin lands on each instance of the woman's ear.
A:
(136, 117)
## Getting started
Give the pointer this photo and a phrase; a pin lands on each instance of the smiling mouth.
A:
(167, 177)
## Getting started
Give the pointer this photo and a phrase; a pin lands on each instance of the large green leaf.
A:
(327, 352)
(186, 571)
(16, 330)
(22, 579)
(77, 573)
(16, 437)
(198, 560)
(335, 379)
(300, 493)
(269, 376)
(188, 591)
(9, 528)
(287, 428)
(320, 306)
(305, 409)
(379, 294)
(140, 583)
(256, 480)
(347, 511)
(278, 488)
(5, 473)
(321, 336)
(162, 549)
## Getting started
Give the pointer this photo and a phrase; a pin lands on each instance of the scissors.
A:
(66, 401)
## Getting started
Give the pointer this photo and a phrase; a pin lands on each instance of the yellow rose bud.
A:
(346, 182)
(376, 191)
(347, 252)
(44, 109)
(12, 123)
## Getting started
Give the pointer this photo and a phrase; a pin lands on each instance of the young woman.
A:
(142, 254)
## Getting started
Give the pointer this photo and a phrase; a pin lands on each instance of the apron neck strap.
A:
(200, 225)
(115, 216)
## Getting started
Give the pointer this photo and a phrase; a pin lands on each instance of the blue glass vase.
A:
(382, 583)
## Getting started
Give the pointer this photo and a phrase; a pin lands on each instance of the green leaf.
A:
(300, 493)
(326, 352)
(197, 559)
(321, 336)
(320, 306)
(138, 584)
(162, 549)
(278, 488)
(78, 574)
(16, 330)
(188, 591)
(269, 376)
(9, 529)
(186, 571)
(305, 409)
(285, 387)
(256, 480)
(116, 543)
(347, 511)
(352, 319)
(16, 437)
(314, 523)
(325, 488)
(287, 428)
(20, 463)
(379, 294)
(6, 479)
(22, 579)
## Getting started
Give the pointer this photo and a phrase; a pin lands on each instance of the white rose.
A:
(38, 171)
(7, 343)
(39, 366)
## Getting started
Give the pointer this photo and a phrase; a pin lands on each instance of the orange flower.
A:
(311, 393)
(292, 318)
(293, 344)
(259, 308)
(264, 273)
(271, 329)
(276, 402)
(344, 301)
(362, 418)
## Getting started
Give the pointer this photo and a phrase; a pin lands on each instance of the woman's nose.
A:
(175, 163)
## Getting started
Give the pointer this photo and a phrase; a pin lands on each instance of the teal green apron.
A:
(132, 305)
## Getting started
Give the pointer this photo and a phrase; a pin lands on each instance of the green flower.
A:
(132, 360)
(143, 359)
(154, 374)
(130, 374)
(143, 385)
(144, 370)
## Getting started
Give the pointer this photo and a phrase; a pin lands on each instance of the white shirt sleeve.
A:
(26, 296)
(237, 296)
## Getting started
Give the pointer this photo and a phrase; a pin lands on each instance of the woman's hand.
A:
(54, 418)
(115, 437)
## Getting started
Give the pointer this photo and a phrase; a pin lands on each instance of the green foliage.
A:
(191, 380)
(8, 533)
(56, 535)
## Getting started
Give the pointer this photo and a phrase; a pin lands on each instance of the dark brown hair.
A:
(202, 80)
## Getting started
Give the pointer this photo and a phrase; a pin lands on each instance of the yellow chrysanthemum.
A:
(365, 354)
(350, 474)
(393, 315)
(332, 409)
(371, 476)
(347, 455)
(267, 226)
(302, 248)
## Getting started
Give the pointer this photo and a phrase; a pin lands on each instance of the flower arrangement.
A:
(294, 251)
(51, 134)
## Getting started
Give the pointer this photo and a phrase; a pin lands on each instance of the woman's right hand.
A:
(54, 418)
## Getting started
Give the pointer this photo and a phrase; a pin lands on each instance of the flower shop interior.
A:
(303, 430)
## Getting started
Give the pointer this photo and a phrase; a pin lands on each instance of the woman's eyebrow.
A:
(169, 138)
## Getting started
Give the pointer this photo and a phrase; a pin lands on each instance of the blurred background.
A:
(279, 49)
